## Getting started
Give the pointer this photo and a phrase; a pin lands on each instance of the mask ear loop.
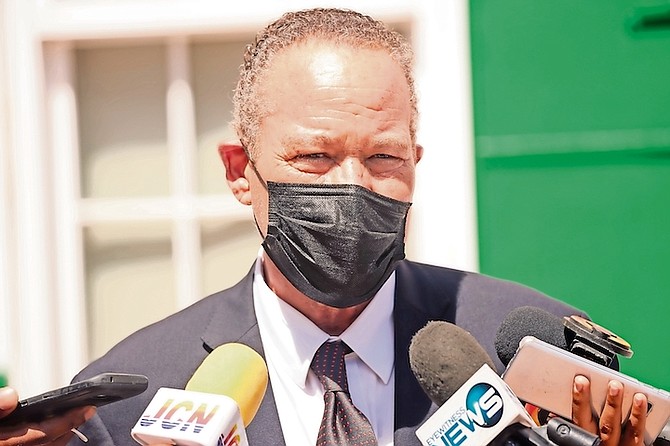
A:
(260, 178)
(253, 167)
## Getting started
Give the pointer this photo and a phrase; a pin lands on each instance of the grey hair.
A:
(341, 26)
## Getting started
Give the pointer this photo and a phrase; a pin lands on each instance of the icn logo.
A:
(484, 405)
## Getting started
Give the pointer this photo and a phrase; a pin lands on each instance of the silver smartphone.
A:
(542, 374)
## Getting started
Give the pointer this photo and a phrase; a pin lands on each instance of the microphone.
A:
(220, 400)
(443, 357)
(476, 406)
(527, 321)
(543, 353)
(575, 334)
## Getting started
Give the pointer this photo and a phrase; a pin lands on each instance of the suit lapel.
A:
(412, 405)
(235, 321)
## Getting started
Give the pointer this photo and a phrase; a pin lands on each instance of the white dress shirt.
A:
(290, 340)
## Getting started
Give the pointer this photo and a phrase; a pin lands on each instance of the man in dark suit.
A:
(326, 114)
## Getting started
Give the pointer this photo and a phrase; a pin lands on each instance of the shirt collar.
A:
(292, 339)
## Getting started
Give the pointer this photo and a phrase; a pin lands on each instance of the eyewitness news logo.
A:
(475, 414)
(482, 409)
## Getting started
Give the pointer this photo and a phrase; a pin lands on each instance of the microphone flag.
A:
(191, 418)
(220, 400)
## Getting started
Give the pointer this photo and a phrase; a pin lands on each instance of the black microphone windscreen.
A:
(444, 356)
(528, 321)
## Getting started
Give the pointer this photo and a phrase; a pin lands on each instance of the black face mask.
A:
(336, 243)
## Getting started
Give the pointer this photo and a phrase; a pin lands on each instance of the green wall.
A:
(572, 142)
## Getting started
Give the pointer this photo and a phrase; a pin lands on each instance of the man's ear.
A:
(418, 152)
(235, 161)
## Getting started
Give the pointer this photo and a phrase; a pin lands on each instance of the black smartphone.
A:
(97, 391)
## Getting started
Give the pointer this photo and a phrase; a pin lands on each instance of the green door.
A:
(572, 140)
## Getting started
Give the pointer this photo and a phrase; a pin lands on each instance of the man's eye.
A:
(311, 156)
(312, 162)
(385, 157)
(384, 162)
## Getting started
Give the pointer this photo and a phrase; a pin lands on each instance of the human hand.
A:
(608, 426)
(56, 431)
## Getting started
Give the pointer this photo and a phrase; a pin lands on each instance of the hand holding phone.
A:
(542, 374)
(56, 431)
(97, 391)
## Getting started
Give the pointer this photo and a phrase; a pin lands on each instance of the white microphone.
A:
(476, 414)
(219, 401)
(475, 403)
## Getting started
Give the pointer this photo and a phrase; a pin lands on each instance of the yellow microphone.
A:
(236, 371)
(220, 400)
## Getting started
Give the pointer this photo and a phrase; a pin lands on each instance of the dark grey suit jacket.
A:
(169, 351)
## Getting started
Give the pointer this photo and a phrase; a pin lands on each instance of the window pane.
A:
(229, 249)
(122, 117)
(129, 280)
(215, 72)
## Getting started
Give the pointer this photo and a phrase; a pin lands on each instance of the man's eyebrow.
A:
(307, 141)
(391, 143)
(314, 141)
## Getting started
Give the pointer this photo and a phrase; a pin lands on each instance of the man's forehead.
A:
(324, 56)
(315, 87)
(317, 71)
(326, 66)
